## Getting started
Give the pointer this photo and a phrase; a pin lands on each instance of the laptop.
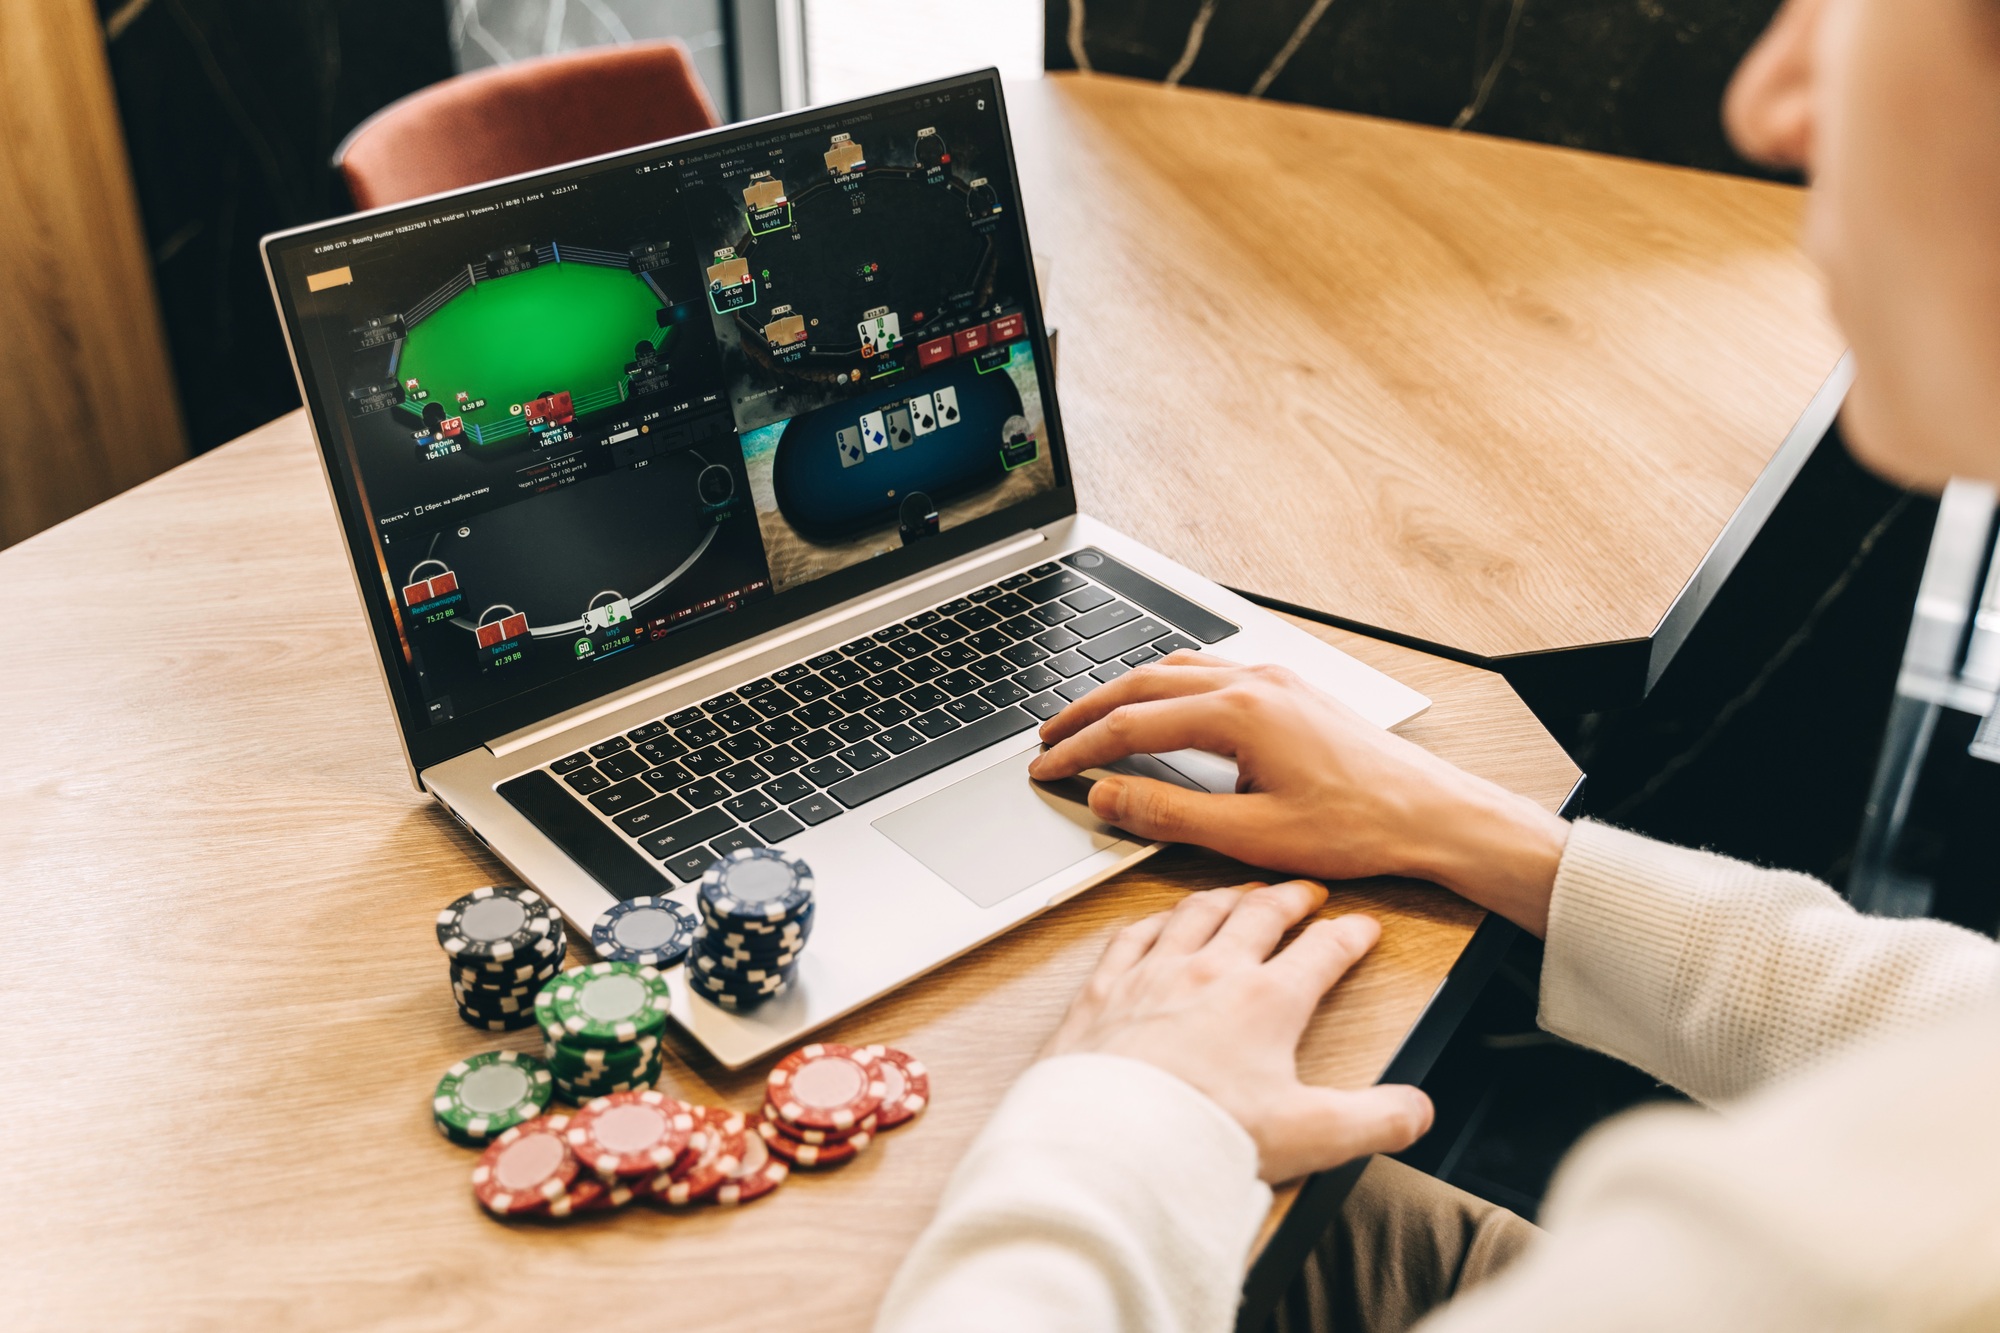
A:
(714, 494)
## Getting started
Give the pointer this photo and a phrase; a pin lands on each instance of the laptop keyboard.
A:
(761, 763)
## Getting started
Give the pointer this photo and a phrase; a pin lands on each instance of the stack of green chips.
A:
(483, 1097)
(601, 1028)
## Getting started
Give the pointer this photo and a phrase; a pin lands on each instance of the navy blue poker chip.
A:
(651, 932)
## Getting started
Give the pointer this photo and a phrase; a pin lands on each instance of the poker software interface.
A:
(583, 412)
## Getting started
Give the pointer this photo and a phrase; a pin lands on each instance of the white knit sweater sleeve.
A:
(1718, 977)
(1104, 1194)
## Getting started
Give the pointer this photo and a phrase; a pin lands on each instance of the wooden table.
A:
(1503, 399)
(227, 1008)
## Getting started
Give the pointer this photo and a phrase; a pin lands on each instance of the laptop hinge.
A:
(521, 740)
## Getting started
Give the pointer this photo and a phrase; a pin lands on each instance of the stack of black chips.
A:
(756, 907)
(504, 943)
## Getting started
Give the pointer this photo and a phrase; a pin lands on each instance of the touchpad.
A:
(993, 834)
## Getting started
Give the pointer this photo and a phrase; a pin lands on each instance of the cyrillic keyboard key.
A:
(1002, 693)
(990, 669)
(898, 739)
(743, 744)
(889, 712)
(817, 745)
(703, 762)
(750, 805)
(662, 748)
(1025, 654)
(667, 777)
(697, 734)
(742, 777)
(1068, 663)
(781, 759)
(702, 791)
(788, 789)
(865, 755)
(625, 764)
(1036, 679)
(781, 729)
(1053, 614)
(826, 772)
(852, 729)
(934, 724)
(969, 709)
(928, 759)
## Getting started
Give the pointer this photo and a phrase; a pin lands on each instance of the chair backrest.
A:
(522, 117)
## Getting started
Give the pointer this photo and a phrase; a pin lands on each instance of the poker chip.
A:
(906, 1086)
(652, 932)
(733, 968)
(812, 1155)
(497, 924)
(525, 1167)
(584, 1195)
(757, 885)
(702, 1173)
(631, 1134)
(495, 1022)
(758, 1173)
(604, 1004)
(825, 1085)
(491, 1093)
(755, 935)
(818, 1137)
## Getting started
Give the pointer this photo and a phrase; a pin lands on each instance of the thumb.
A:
(1320, 1128)
(1157, 810)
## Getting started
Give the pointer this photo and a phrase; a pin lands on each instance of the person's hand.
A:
(1321, 792)
(1198, 992)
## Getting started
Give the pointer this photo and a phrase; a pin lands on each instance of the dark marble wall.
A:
(232, 110)
(1641, 78)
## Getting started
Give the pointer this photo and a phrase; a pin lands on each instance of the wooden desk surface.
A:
(1491, 395)
(228, 1009)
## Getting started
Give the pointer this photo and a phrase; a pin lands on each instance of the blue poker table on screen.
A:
(825, 502)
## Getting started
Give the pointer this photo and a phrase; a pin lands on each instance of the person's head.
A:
(1892, 108)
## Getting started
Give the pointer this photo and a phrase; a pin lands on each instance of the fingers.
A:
(1128, 946)
(1319, 1128)
(1264, 915)
(1195, 919)
(1162, 812)
(1172, 677)
(1322, 954)
(1200, 721)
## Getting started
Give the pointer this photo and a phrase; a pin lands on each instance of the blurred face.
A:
(1892, 107)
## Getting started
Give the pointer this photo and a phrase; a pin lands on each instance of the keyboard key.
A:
(922, 619)
(925, 668)
(925, 697)
(1036, 679)
(1057, 640)
(824, 660)
(934, 724)
(888, 684)
(1102, 619)
(1086, 599)
(726, 699)
(1068, 664)
(1013, 581)
(662, 748)
(763, 685)
(781, 759)
(733, 841)
(899, 738)
(1075, 689)
(888, 713)
(703, 762)
(654, 814)
(687, 717)
(988, 641)
(958, 682)
(742, 717)
(1054, 586)
(858, 646)
(1173, 643)
(586, 780)
(667, 777)
(928, 759)
(912, 647)
(958, 655)
(690, 866)
(1120, 641)
(1044, 569)
(702, 791)
(984, 595)
(826, 772)
(788, 789)
(865, 755)
(990, 669)
(816, 744)
(946, 631)
(781, 729)
(627, 764)
(817, 714)
(1140, 656)
(743, 744)
(699, 734)
(773, 703)
(811, 688)
(750, 805)
(853, 699)
(646, 732)
(954, 606)
(891, 633)
(776, 827)
(1021, 627)
(977, 618)
(844, 674)
(815, 809)
(1109, 672)
(852, 729)
(1053, 614)
(621, 797)
(879, 659)
(742, 777)
(1007, 604)
(969, 709)
(610, 747)
(570, 763)
(1046, 706)
(791, 673)
(1025, 654)
(686, 834)
(1002, 693)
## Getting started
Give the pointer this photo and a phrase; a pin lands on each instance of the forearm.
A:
(1490, 846)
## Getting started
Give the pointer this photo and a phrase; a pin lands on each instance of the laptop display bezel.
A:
(427, 743)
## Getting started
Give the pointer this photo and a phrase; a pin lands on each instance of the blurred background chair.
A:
(522, 117)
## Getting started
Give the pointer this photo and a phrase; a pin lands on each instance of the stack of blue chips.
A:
(756, 908)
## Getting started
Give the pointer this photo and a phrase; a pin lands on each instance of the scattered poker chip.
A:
(818, 1137)
(758, 1173)
(906, 1086)
(584, 1195)
(497, 924)
(491, 1093)
(604, 1004)
(825, 1085)
(755, 884)
(812, 1155)
(525, 1167)
(704, 1172)
(653, 932)
(631, 1134)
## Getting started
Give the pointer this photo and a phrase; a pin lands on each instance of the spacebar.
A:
(928, 759)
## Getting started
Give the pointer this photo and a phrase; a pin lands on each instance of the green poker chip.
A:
(489, 1094)
(604, 1005)
(567, 1061)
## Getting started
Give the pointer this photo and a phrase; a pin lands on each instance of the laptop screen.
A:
(586, 423)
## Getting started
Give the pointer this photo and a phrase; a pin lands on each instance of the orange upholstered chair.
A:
(521, 117)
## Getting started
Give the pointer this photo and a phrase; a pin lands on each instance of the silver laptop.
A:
(713, 494)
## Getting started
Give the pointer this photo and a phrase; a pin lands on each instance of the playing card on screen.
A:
(848, 440)
(923, 416)
(946, 400)
(874, 432)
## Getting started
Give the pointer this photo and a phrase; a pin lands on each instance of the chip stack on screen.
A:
(504, 943)
(601, 1028)
(756, 907)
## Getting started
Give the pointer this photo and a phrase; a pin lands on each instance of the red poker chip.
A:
(590, 1194)
(825, 1086)
(631, 1134)
(907, 1086)
(525, 1167)
(756, 1175)
(701, 1173)
(812, 1155)
(798, 1134)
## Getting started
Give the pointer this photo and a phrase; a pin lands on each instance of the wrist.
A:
(1493, 847)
